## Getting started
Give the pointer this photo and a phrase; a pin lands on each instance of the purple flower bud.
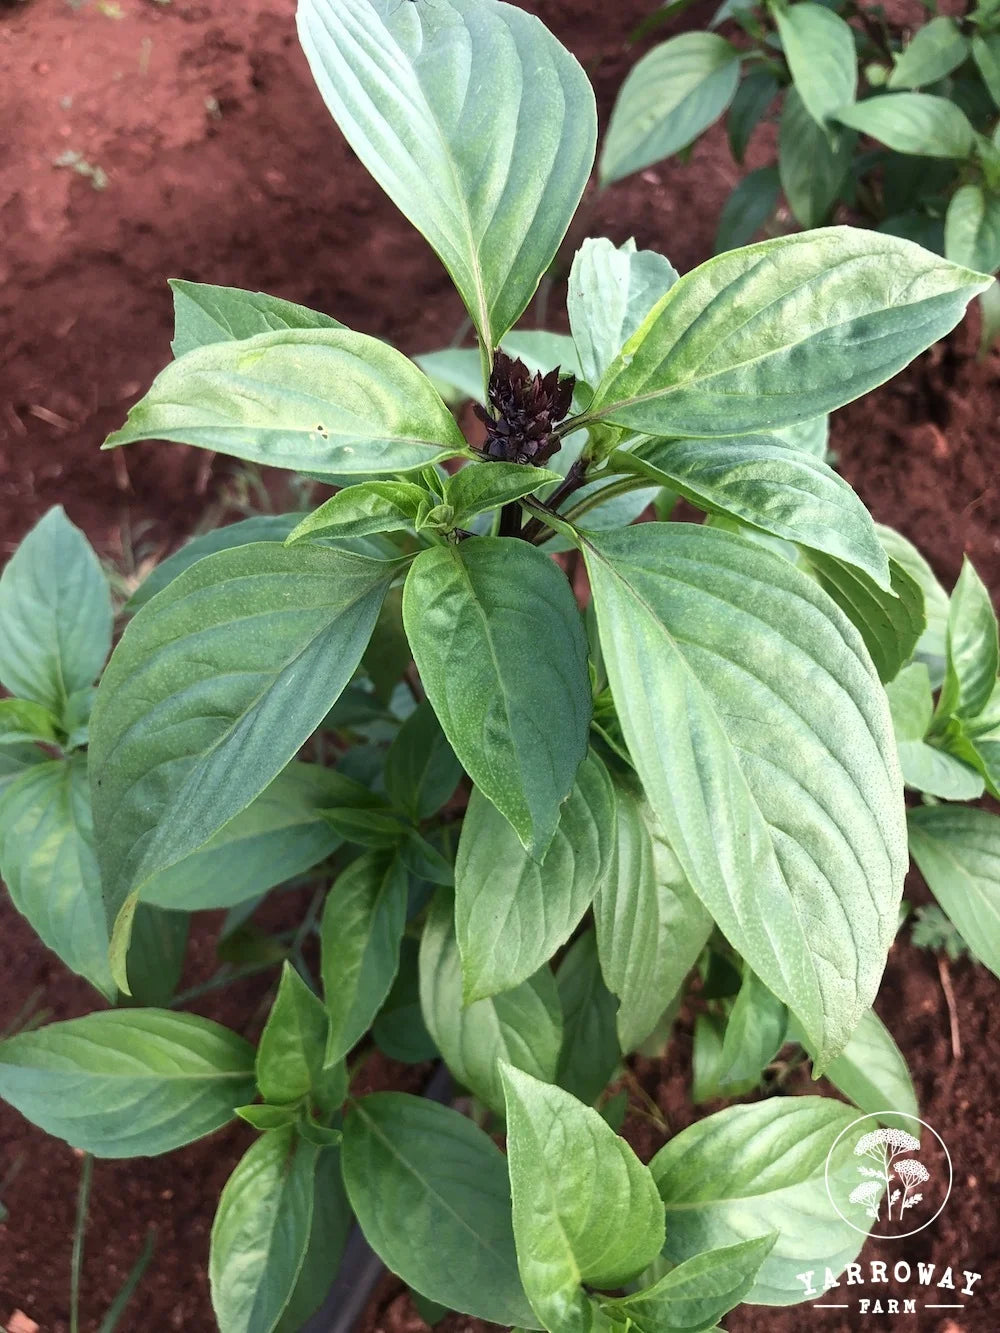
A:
(526, 409)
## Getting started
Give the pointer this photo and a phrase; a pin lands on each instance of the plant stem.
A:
(127, 1290)
(575, 478)
(79, 1231)
(510, 521)
(616, 488)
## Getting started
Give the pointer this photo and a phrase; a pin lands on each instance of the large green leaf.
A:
(590, 1052)
(585, 1208)
(890, 621)
(813, 161)
(499, 643)
(972, 229)
(477, 488)
(931, 645)
(127, 1083)
(819, 48)
(522, 1026)
(476, 122)
(769, 485)
(48, 863)
(650, 925)
(512, 913)
(973, 656)
(611, 291)
(934, 51)
(958, 853)
(764, 743)
(783, 330)
(752, 1170)
(361, 930)
(872, 1071)
(55, 615)
(674, 93)
(328, 1232)
(313, 400)
(431, 1193)
(204, 314)
(917, 123)
(261, 1232)
(213, 688)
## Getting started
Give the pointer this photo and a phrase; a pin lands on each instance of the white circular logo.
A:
(889, 1174)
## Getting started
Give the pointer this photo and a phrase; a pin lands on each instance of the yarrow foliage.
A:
(527, 407)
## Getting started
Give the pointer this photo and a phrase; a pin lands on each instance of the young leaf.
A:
(585, 1208)
(958, 854)
(23, 721)
(890, 622)
(925, 767)
(697, 1293)
(589, 1054)
(127, 1083)
(328, 1231)
(972, 229)
(312, 400)
(512, 913)
(755, 1033)
(291, 1047)
(872, 1071)
(421, 770)
(48, 863)
(278, 836)
(516, 706)
(753, 1170)
(522, 1026)
(491, 181)
(476, 488)
(973, 656)
(674, 93)
(360, 932)
(706, 1062)
(935, 50)
(819, 48)
(813, 161)
(650, 925)
(764, 743)
(194, 718)
(611, 291)
(755, 339)
(55, 615)
(261, 1232)
(772, 487)
(918, 123)
(358, 511)
(746, 210)
(204, 314)
(431, 1193)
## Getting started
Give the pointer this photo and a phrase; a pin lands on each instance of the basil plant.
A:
(899, 127)
(543, 815)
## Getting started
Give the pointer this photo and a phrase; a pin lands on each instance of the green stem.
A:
(127, 1290)
(616, 488)
(79, 1231)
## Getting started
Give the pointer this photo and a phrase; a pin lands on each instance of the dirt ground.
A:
(222, 165)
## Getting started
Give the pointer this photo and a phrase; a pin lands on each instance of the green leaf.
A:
(781, 331)
(918, 123)
(813, 161)
(611, 291)
(973, 656)
(421, 770)
(753, 97)
(48, 863)
(706, 1062)
(312, 400)
(986, 53)
(819, 48)
(55, 615)
(360, 933)
(278, 836)
(16, 760)
(127, 1083)
(431, 1193)
(585, 1208)
(809, 437)
(204, 314)
(752, 1170)
(358, 511)
(935, 50)
(925, 767)
(517, 708)
(650, 925)
(261, 1232)
(512, 913)
(328, 1231)
(157, 956)
(291, 1047)
(755, 1033)
(972, 229)
(522, 1027)
(674, 93)
(263, 1117)
(931, 646)
(399, 1030)
(764, 743)
(590, 1054)
(21, 721)
(198, 712)
(746, 210)
(890, 623)
(478, 487)
(696, 1294)
(770, 486)
(872, 1071)
(491, 181)
(958, 854)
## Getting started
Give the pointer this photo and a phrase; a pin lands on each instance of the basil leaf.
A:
(813, 161)
(204, 314)
(589, 1054)
(290, 1050)
(746, 210)
(753, 97)
(819, 48)
(755, 1033)
(421, 770)
(934, 51)
(973, 656)
(972, 229)
(872, 1071)
(890, 623)
(477, 488)
(359, 511)
(328, 1231)
(918, 123)
(958, 854)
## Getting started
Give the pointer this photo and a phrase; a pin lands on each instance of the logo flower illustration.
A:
(887, 1147)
